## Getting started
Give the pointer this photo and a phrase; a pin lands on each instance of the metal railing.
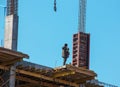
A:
(97, 82)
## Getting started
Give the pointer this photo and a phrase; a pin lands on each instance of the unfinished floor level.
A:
(34, 75)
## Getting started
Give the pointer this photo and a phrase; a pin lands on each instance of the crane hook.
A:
(55, 8)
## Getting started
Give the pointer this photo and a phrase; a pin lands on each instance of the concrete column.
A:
(12, 76)
(11, 32)
(82, 85)
(10, 41)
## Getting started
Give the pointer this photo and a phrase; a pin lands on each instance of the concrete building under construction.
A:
(14, 72)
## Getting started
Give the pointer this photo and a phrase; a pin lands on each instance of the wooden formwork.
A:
(33, 75)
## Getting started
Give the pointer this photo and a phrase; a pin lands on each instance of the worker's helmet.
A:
(65, 44)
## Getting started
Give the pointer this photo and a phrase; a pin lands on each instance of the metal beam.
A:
(82, 15)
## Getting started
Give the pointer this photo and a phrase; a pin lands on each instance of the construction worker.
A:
(65, 53)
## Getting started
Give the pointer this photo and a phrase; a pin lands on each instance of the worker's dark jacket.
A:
(65, 52)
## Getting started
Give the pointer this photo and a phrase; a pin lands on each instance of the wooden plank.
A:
(47, 78)
(82, 71)
(13, 53)
(11, 61)
(4, 67)
(34, 82)
(5, 56)
(64, 73)
(83, 80)
(26, 85)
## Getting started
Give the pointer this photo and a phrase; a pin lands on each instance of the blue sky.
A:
(42, 33)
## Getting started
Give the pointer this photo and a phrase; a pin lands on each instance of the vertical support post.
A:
(12, 76)
(82, 85)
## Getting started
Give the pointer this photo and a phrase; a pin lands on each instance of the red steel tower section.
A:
(81, 50)
(81, 40)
